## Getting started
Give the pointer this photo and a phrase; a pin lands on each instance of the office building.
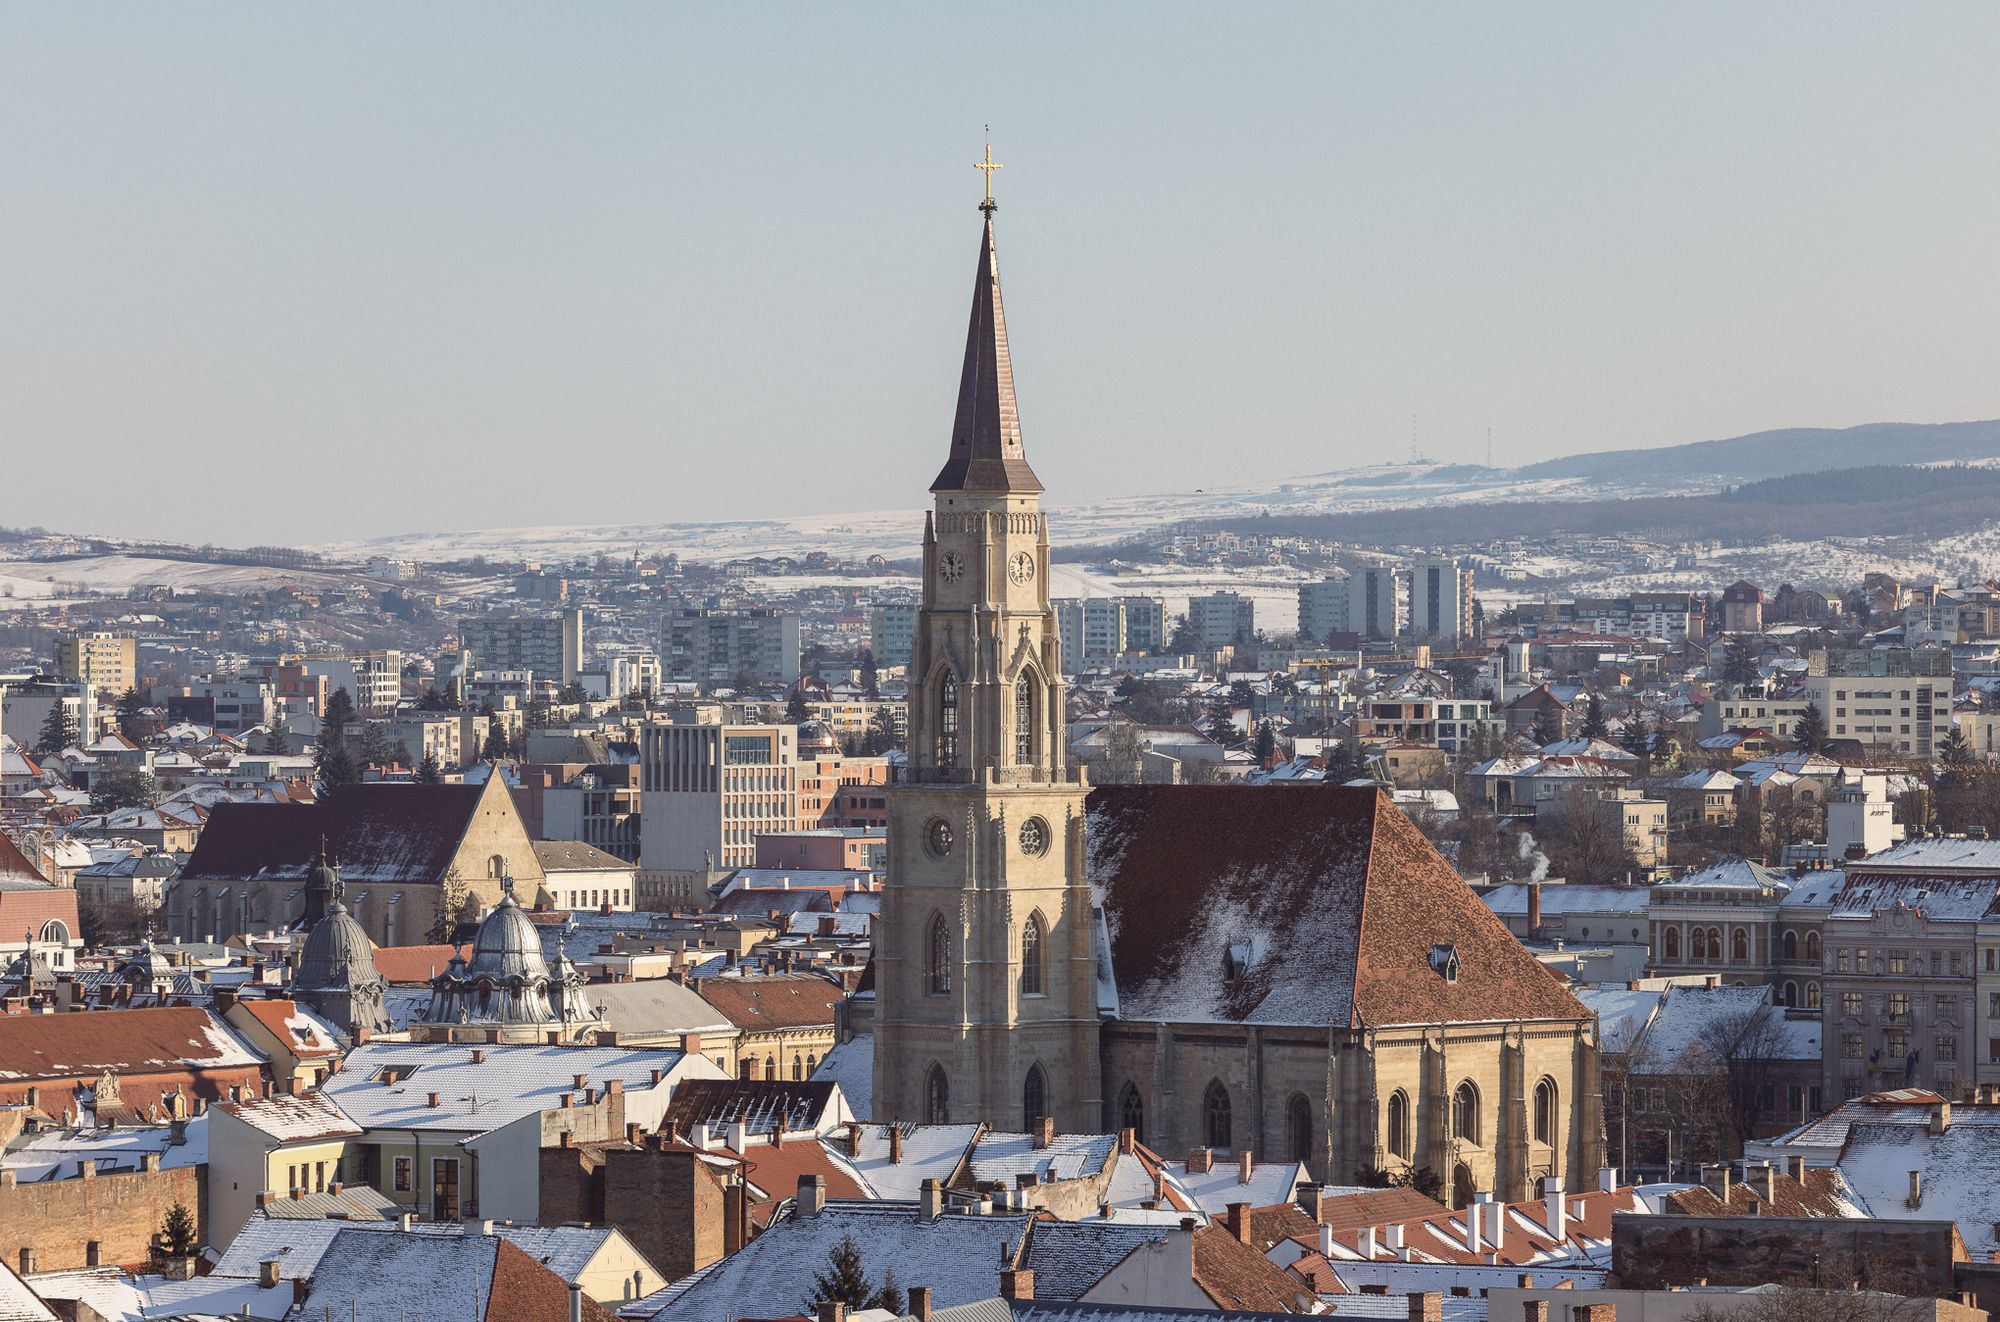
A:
(706, 792)
(1897, 699)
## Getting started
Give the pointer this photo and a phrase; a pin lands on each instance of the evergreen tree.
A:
(889, 1295)
(177, 1235)
(1594, 724)
(870, 682)
(429, 772)
(1265, 750)
(337, 768)
(496, 742)
(1546, 730)
(339, 708)
(1639, 741)
(1810, 731)
(276, 742)
(402, 754)
(432, 700)
(128, 713)
(1739, 666)
(126, 787)
(573, 694)
(1955, 754)
(537, 716)
(1221, 720)
(795, 709)
(1182, 641)
(58, 730)
(1242, 694)
(843, 1282)
(1344, 762)
(375, 749)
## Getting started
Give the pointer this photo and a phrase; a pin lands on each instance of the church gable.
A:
(394, 834)
(1299, 906)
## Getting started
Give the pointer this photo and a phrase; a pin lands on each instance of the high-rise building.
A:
(549, 645)
(1895, 698)
(1222, 618)
(989, 1010)
(706, 792)
(1441, 599)
(1095, 630)
(1372, 608)
(374, 680)
(1322, 609)
(892, 627)
(108, 662)
(715, 647)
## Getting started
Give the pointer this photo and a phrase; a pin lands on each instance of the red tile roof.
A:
(761, 1005)
(1328, 901)
(413, 966)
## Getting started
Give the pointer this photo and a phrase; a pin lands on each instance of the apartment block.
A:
(1322, 609)
(1222, 618)
(1372, 605)
(1097, 630)
(108, 662)
(892, 632)
(374, 680)
(549, 645)
(714, 647)
(1441, 599)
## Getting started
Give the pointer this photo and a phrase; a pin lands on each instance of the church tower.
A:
(986, 993)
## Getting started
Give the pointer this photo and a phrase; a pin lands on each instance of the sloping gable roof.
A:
(375, 832)
(1303, 905)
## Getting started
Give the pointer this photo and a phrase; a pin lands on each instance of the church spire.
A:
(986, 454)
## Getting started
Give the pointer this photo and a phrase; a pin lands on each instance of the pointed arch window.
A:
(1034, 1099)
(1024, 719)
(1465, 1112)
(1132, 1110)
(1545, 1112)
(937, 958)
(947, 726)
(1399, 1124)
(937, 1096)
(1031, 956)
(1215, 1114)
(1299, 1126)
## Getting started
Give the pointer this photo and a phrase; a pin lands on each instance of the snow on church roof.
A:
(1307, 905)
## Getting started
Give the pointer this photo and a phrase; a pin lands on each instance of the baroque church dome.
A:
(336, 974)
(507, 983)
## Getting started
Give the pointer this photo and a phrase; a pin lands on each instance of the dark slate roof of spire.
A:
(986, 452)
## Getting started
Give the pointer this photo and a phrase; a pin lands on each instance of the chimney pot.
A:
(1239, 1221)
(1017, 1283)
(1045, 1131)
(1245, 1165)
(1426, 1306)
(267, 1273)
(920, 1303)
(895, 1144)
(1199, 1161)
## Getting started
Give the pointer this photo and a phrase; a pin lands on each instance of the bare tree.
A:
(1748, 1046)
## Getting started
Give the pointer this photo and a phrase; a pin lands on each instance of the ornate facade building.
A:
(1291, 971)
(508, 991)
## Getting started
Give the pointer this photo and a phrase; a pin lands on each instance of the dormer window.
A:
(1237, 957)
(1444, 961)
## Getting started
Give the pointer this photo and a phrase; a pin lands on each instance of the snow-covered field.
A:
(30, 579)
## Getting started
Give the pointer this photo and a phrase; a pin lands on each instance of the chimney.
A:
(895, 1144)
(431, 1100)
(1524, 1281)
(576, 1301)
(1607, 1179)
(1199, 1161)
(1128, 1141)
(1534, 1310)
(1916, 1198)
(298, 1291)
(1244, 1165)
(812, 1194)
(1426, 1306)
(1239, 1221)
(1392, 1237)
(1716, 1177)
(579, 1081)
(690, 1043)
(264, 1199)
(93, 1253)
(1492, 1223)
(1311, 1199)
(739, 1136)
(635, 1134)
(1940, 1117)
(920, 1303)
(1558, 1213)
(1364, 1241)
(566, 1139)
(930, 1200)
(267, 1273)
(1795, 1166)
(479, 1055)
(1045, 1132)
(565, 1101)
(1767, 1182)
(1017, 1283)
(778, 1132)
(1594, 1313)
(1475, 1212)
(27, 1261)
(1534, 909)
(832, 1311)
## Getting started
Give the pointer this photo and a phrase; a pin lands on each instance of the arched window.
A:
(1791, 944)
(798, 1067)
(1215, 1114)
(812, 1063)
(1673, 943)
(771, 1068)
(947, 727)
(1812, 947)
(1024, 718)
(1698, 946)
(1465, 1112)
(937, 1097)
(1715, 945)
(55, 932)
(1547, 1119)
(1399, 1124)
(1812, 996)
(1739, 946)
(496, 867)
(1034, 1099)
(1031, 956)
(1299, 1124)
(1461, 1185)
(1132, 1110)
(937, 959)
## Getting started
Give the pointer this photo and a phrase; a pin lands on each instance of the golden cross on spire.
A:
(989, 165)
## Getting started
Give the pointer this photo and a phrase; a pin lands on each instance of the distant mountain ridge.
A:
(1781, 453)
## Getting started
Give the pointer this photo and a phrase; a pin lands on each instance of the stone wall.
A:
(1898, 1257)
(60, 1221)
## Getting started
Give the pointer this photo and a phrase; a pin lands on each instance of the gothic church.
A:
(1291, 970)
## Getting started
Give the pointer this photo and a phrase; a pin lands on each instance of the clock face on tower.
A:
(1021, 568)
(950, 567)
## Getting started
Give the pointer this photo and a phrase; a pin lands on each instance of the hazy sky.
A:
(296, 272)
